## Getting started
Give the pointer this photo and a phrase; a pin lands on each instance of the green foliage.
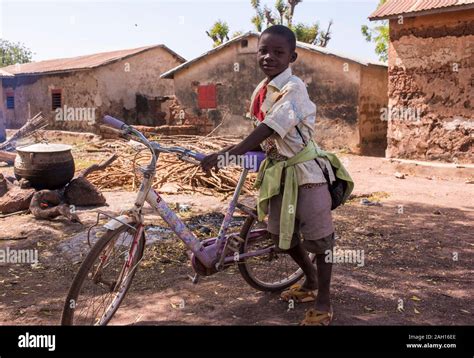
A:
(379, 35)
(219, 32)
(257, 21)
(306, 33)
(236, 34)
(282, 14)
(12, 53)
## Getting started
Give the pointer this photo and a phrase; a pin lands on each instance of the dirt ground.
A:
(418, 250)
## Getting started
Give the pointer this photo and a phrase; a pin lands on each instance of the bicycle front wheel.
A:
(104, 277)
(271, 272)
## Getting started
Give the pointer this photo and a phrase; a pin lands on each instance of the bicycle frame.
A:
(211, 252)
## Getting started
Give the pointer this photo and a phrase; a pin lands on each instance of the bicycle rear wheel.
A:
(104, 277)
(271, 272)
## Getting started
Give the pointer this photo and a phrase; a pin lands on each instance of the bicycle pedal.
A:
(234, 244)
(232, 249)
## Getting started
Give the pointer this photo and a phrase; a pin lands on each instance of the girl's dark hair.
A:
(282, 31)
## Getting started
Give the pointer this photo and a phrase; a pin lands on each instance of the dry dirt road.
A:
(418, 252)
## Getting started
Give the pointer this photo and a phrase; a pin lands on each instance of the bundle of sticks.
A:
(28, 129)
(189, 178)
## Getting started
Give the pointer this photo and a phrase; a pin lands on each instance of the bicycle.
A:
(107, 271)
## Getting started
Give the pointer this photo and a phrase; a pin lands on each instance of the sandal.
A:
(298, 294)
(317, 318)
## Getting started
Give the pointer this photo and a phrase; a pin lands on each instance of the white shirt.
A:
(286, 105)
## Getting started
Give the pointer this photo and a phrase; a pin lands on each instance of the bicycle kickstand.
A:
(194, 279)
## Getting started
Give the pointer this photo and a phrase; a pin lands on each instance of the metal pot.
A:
(45, 166)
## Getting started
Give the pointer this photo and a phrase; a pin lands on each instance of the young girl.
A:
(285, 119)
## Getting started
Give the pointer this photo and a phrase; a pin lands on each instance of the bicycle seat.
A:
(253, 160)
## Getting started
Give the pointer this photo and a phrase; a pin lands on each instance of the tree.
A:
(379, 34)
(283, 15)
(236, 34)
(219, 32)
(12, 53)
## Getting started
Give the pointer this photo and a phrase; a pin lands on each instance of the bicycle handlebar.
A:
(113, 122)
(118, 124)
(199, 156)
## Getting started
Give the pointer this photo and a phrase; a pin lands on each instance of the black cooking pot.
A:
(45, 166)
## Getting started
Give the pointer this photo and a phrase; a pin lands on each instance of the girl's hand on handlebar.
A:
(209, 162)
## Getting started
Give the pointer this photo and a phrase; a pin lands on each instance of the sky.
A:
(57, 29)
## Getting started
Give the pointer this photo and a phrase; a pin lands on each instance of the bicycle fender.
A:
(117, 222)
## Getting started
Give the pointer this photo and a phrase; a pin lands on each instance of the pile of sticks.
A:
(187, 177)
(8, 148)
(28, 129)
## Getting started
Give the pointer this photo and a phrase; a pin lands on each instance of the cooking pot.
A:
(45, 165)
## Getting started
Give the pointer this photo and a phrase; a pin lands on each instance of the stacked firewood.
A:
(124, 173)
(8, 148)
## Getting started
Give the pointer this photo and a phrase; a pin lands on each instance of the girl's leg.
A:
(323, 302)
(300, 256)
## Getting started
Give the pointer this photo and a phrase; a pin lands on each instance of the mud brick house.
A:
(349, 92)
(431, 63)
(74, 93)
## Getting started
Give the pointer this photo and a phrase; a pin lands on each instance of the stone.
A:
(81, 192)
(16, 199)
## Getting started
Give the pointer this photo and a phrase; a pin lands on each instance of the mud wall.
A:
(235, 73)
(431, 74)
(109, 89)
(373, 100)
(333, 84)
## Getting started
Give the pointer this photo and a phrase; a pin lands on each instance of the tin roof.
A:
(77, 63)
(5, 73)
(394, 8)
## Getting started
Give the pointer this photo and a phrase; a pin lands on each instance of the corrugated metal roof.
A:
(393, 8)
(302, 45)
(78, 63)
(5, 73)
(325, 51)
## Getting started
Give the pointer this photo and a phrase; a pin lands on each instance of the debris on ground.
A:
(46, 205)
(367, 202)
(363, 231)
(399, 175)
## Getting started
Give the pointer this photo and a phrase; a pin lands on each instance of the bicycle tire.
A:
(67, 317)
(249, 276)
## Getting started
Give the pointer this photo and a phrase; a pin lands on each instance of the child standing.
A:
(297, 201)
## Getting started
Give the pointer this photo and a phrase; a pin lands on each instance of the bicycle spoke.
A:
(272, 270)
(103, 287)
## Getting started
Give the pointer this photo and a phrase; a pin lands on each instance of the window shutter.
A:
(56, 99)
(10, 100)
(207, 96)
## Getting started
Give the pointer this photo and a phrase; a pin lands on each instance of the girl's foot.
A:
(315, 317)
(298, 294)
